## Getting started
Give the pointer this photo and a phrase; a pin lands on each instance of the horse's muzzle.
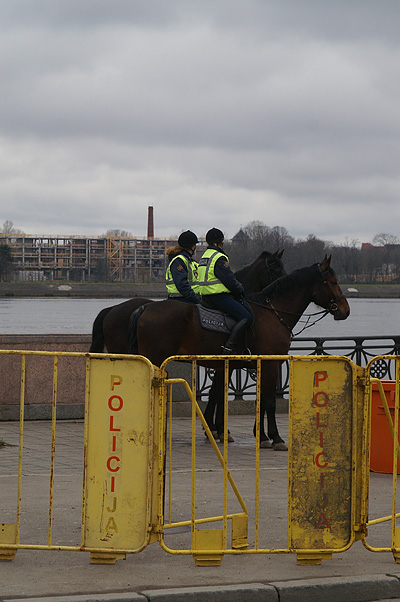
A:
(339, 313)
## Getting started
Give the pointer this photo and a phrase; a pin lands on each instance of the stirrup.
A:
(230, 351)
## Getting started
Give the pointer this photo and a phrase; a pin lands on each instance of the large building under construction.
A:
(77, 258)
(87, 258)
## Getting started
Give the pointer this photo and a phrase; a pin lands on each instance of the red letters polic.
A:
(321, 461)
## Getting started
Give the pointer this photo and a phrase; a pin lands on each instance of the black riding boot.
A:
(236, 338)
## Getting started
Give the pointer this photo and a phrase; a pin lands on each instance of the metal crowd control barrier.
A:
(394, 432)
(120, 448)
(133, 494)
(324, 506)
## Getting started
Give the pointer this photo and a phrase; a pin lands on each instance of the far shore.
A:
(127, 290)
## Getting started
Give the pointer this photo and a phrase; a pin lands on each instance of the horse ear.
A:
(280, 254)
(326, 262)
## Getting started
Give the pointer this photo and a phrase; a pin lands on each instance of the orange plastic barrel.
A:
(381, 457)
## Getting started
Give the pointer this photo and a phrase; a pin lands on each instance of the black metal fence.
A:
(359, 349)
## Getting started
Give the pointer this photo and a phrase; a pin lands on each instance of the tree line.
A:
(354, 263)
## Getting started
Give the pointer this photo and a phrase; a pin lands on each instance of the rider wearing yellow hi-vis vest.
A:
(219, 286)
(181, 276)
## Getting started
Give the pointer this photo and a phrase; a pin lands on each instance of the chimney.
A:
(150, 224)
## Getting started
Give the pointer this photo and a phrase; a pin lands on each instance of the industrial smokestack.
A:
(150, 224)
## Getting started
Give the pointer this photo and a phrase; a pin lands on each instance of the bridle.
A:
(331, 309)
(269, 267)
(333, 302)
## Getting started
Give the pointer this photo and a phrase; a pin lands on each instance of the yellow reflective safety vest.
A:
(209, 284)
(192, 275)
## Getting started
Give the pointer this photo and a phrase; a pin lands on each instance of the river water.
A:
(369, 317)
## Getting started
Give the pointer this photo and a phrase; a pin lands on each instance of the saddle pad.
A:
(212, 319)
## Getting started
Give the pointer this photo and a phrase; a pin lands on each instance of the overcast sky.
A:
(215, 112)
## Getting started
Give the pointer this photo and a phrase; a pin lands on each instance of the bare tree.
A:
(116, 232)
(8, 228)
(348, 260)
(383, 239)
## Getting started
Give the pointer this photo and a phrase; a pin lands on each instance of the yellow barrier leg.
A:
(208, 540)
(396, 545)
(106, 557)
(8, 534)
(239, 532)
(312, 558)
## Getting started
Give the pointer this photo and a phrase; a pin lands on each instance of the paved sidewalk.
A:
(357, 575)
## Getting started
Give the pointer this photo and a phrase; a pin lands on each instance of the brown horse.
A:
(169, 328)
(110, 327)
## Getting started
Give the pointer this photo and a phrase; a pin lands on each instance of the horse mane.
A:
(285, 284)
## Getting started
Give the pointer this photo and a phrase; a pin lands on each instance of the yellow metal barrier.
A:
(326, 397)
(120, 448)
(394, 430)
(129, 470)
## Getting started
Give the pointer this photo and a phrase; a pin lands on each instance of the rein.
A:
(269, 305)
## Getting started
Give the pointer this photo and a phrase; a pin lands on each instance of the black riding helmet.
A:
(214, 236)
(187, 239)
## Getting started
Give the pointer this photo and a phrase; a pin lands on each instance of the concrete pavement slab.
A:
(49, 574)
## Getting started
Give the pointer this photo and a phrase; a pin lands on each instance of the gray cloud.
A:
(213, 112)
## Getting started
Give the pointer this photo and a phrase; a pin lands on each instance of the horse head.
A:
(275, 265)
(328, 293)
(271, 268)
(266, 268)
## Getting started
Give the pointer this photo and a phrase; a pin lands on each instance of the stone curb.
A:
(253, 592)
(115, 597)
(333, 589)
(337, 589)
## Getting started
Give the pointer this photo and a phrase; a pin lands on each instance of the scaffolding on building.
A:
(119, 258)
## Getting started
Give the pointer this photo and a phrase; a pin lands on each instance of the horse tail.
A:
(97, 345)
(132, 331)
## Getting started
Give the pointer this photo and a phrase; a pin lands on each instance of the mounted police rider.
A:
(182, 276)
(219, 286)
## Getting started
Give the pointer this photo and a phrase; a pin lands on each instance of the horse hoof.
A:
(265, 444)
(214, 433)
(230, 438)
(281, 446)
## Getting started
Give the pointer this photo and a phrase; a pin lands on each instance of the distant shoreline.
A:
(82, 290)
(127, 290)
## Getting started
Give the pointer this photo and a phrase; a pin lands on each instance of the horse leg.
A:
(269, 376)
(264, 440)
(270, 407)
(217, 397)
(211, 405)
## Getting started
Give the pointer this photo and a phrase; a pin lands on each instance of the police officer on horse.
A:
(182, 275)
(221, 289)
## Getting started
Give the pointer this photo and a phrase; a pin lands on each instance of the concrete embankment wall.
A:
(38, 389)
(154, 290)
